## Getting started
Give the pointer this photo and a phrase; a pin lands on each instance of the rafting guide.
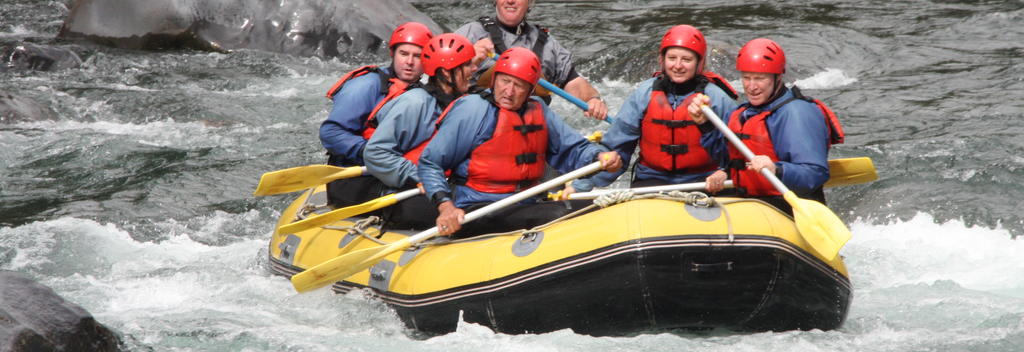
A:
(509, 28)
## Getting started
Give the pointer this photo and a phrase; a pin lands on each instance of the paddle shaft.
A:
(515, 198)
(695, 186)
(736, 142)
(347, 212)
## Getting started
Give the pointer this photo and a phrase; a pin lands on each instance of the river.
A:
(135, 202)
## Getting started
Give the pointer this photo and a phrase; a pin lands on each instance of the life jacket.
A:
(669, 138)
(755, 135)
(494, 32)
(514, 157)
(390, 87)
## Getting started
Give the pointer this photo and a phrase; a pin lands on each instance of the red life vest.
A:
(754, 134)
(669, 139)
(514, 157)
(390, 86)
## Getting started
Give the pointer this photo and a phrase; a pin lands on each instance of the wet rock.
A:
(325, 28)
(28, 56)
(34, 318)
(16, 108)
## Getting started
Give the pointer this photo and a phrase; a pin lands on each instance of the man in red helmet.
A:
(508, 28)
(408, 122)
(356, 97)
(789, 133)
(496, 143)
(655, 117)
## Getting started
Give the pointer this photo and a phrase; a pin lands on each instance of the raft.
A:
(646, 265)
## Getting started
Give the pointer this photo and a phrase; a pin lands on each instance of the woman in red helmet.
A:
(497, 143)
(356, 96)
(407, 123)
(655, 118)
(789, 133)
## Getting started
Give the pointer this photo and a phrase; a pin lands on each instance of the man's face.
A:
(510, 92)
(758, 86)
(512, 12)
(679, 64)
(406, 58)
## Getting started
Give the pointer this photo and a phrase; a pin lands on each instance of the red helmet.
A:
(685, 36)
(446, 51)
(410, 33)
(761, 55)
(520, 63)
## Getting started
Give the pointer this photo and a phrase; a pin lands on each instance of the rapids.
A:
(135, 203)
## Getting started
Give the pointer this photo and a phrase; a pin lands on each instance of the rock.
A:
(28, 56)
(34, 318)
(325, 28)
(16, 108)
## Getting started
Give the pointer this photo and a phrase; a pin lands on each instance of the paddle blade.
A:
(302, 177)
(851, 171)
(338, 214)
(818, 225)
(344, 266)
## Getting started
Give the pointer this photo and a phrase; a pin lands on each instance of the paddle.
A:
(842, 172)
(347, 212)
(850, 171)
(303, 177)
(818, 225)
(346, 265)
(695, 186)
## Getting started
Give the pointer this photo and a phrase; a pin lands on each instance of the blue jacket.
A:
(341, 133)
(800, 138)
(471, 122)
(403, 123)
(624, 135)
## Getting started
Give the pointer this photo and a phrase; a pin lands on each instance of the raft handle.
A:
(711, 267)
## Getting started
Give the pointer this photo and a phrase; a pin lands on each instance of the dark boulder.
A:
(325, 28)
(28, 56)
(17, 108)
(34, 318)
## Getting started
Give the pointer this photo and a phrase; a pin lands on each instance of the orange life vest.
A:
(390, 86)
(514, 157)
(754, 134)
(669, 138)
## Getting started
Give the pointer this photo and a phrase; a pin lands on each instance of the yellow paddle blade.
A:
(344, 266)
(302, 177)
(338, 214)
(818, 225)
(851, 171)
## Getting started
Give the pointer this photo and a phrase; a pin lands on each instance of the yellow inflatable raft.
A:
(642, 265)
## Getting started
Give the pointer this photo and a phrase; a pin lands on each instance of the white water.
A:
(918, 286)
